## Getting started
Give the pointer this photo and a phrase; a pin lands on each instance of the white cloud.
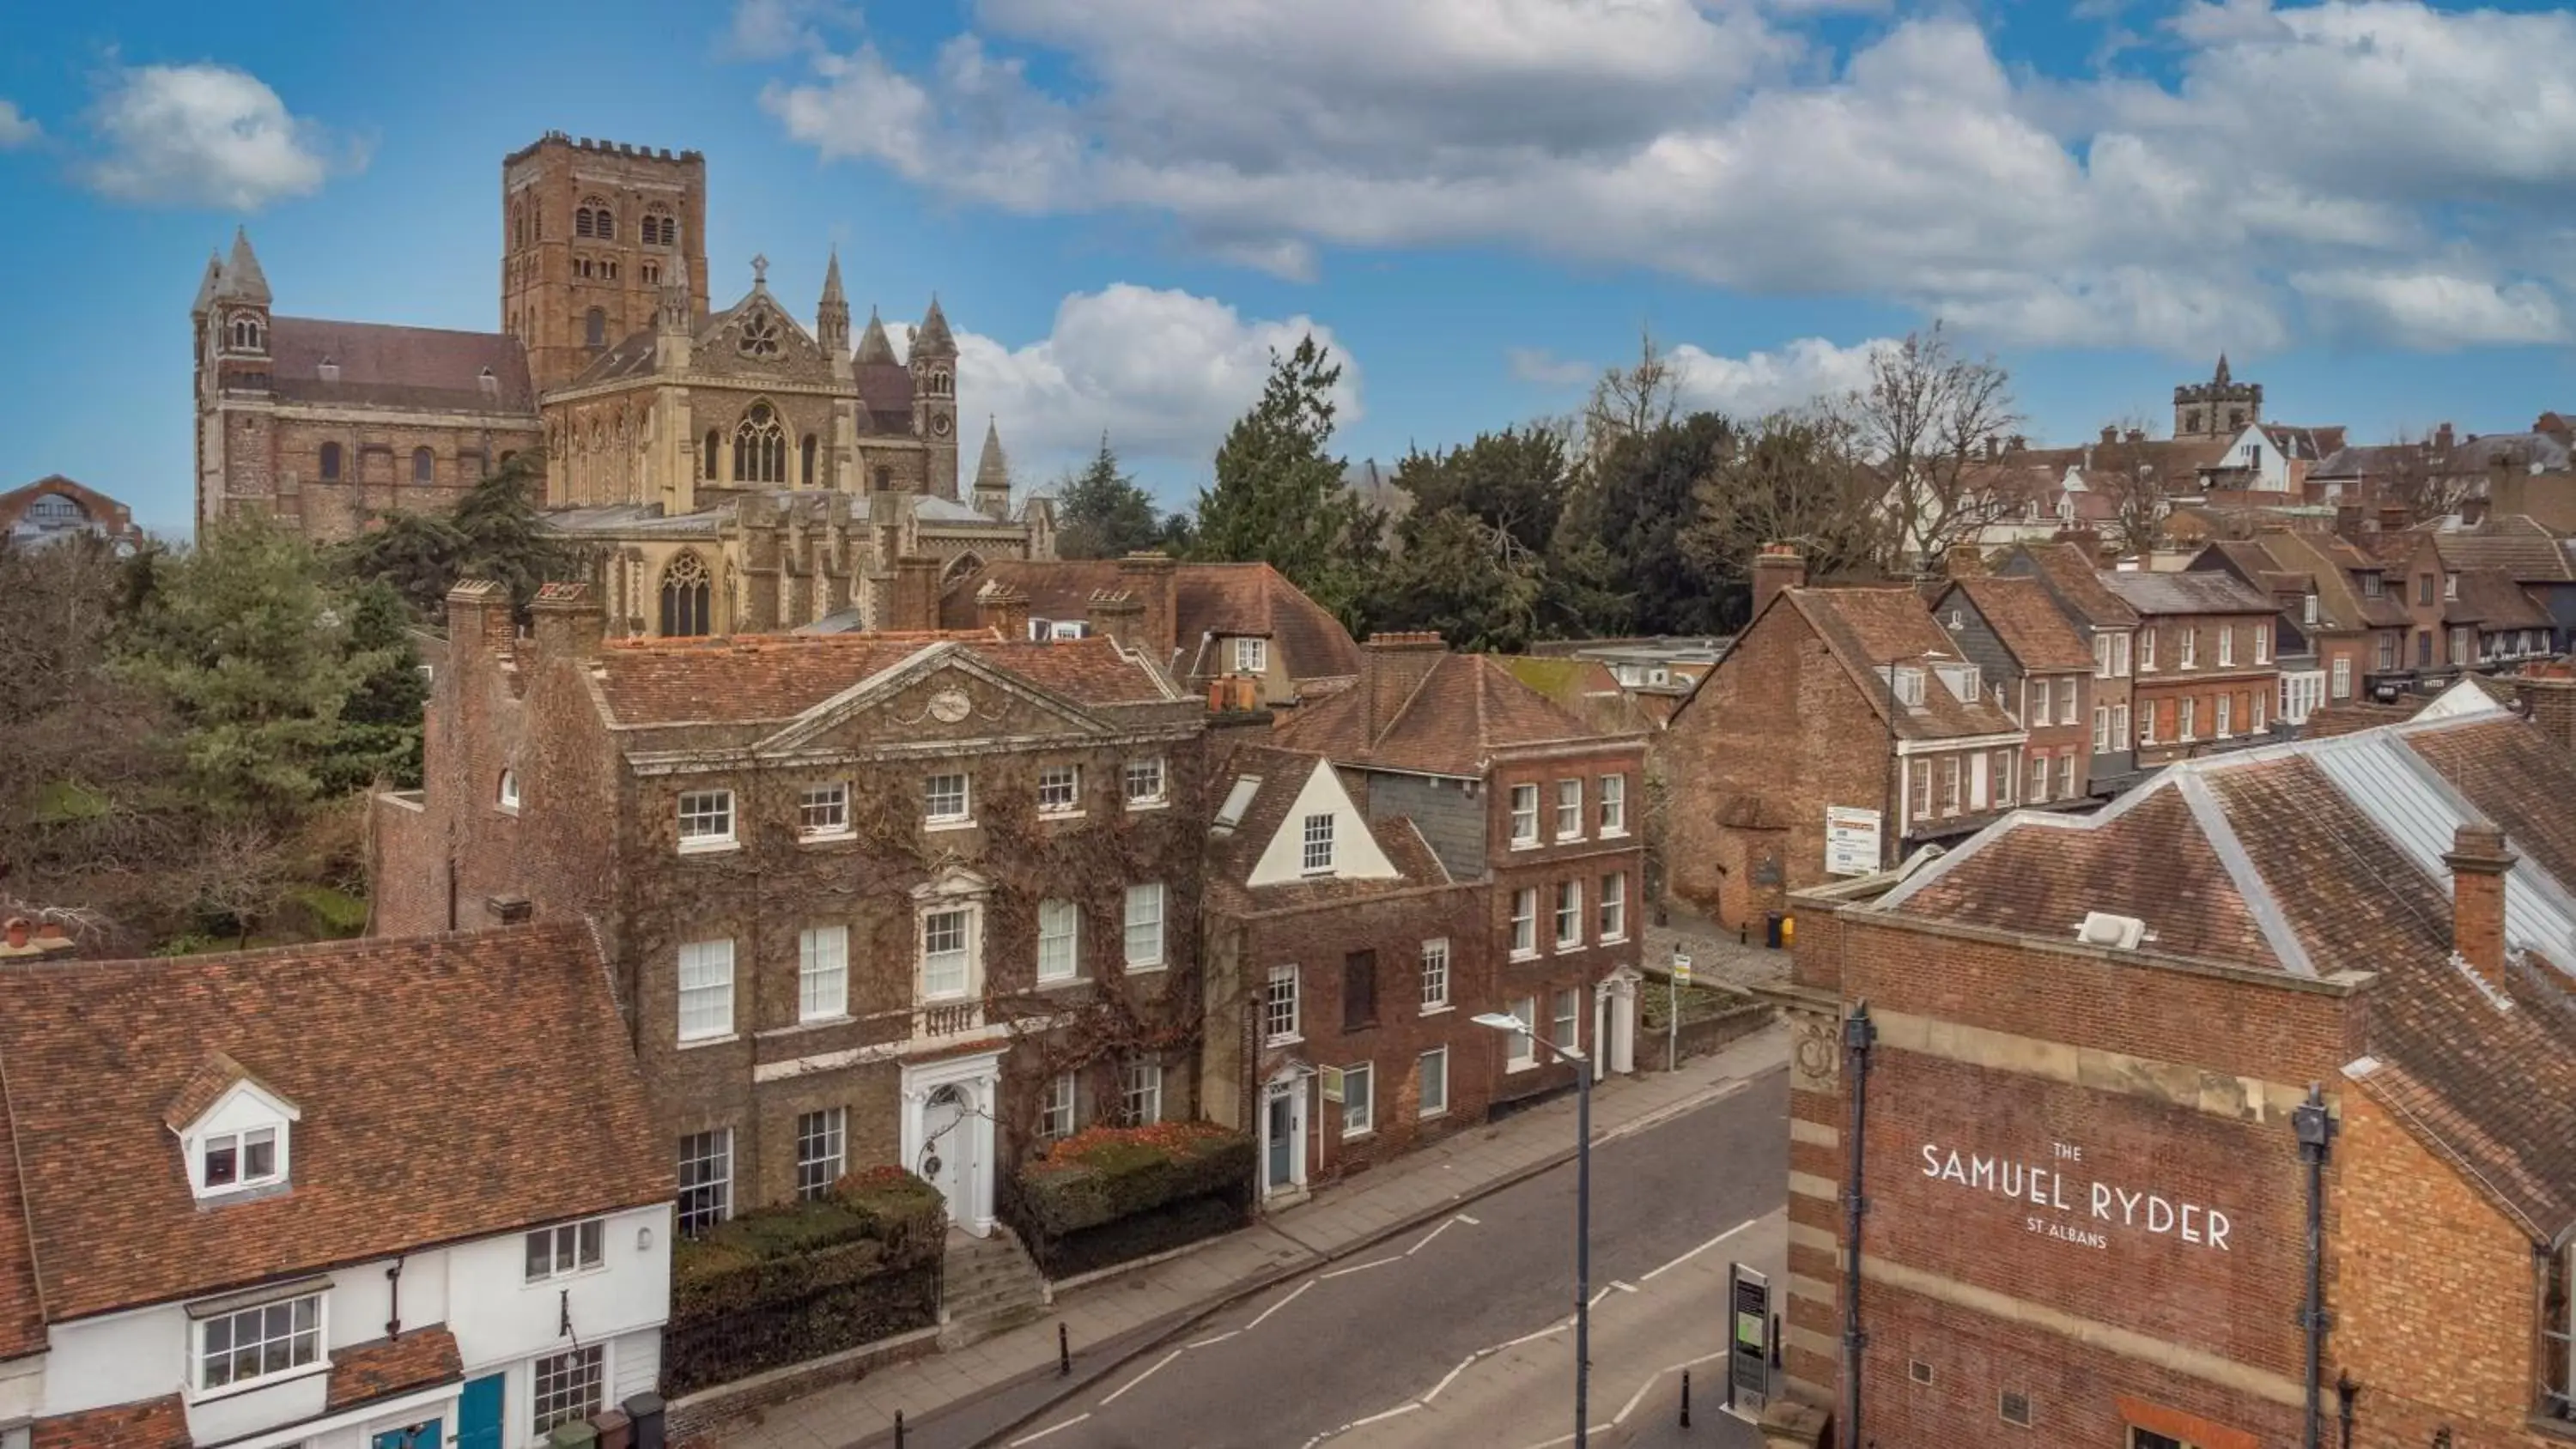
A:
(16, 127)
(1764, 382)
(1538, 365)
(1730, 145)
(204, 135)
(2434, 310)
(1164, 373)
(774, 29)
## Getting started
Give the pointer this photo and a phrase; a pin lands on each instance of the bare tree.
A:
(1628, 401)
(2428, 486)
(2141, 501)
(1926, 420)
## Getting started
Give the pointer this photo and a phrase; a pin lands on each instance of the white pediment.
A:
(1355, 853)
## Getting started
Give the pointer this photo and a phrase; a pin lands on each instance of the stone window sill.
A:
(1138, 807)
(710, 846)
(826, 837)
(940, 825)
(1442, 1009)
(694, 1043)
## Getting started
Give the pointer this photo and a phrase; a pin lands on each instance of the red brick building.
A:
(1534, 810)
(2336, 600)
(867, 898)
(2206, 677)
(2012, 630)
(2109, 628)
(1845, 706)
(55, 507)
(2064, 1101)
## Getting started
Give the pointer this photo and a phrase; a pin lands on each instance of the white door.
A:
(948, 1150)
(1283, 1136)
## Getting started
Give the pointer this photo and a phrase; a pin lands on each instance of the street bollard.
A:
(1685, 1398)
(898, 1429)
(1063, 1352)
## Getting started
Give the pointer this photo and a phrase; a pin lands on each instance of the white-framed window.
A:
(1252, 656)
(821, 1147)
(1524, 815)
(2069, 700)
(1569, 914)
(706, 1180)
(2185, 713)
(1569, 809)
(1569, 1018)
(2038, 778)
(1433, 1097)
(1909, 686)
(264, 1342)
(2226, 645)
(2191, 648)
(2120, 655)
(1059, 941)
(2462, 645)
(2450, 586)
(560, 1252)
(2006, 773)
(1059, 789)
(822, 973)
(1614, 805)
(2038, 710)
(2147, 725)
(2146, 651)
(706, 990)
(1145, 926)
(2066, 775)
(2263, 643)
(1435, 975)
(947, 799)
(2119, 727)
(2102, 656)
(230, 1161)
(510, 791)
(823, 811)
(1525, 922)
(1145, 783)
(947, 953)
(1056, 1119)
(1359, 1109)
(1279, 1007)
(2101, 729)
(1614, 907)
(2258, 710)
(1144, 1092)
(568, 1386)
(1524, 1049)
(706, 819)
(2223, 721)
(1318, 855)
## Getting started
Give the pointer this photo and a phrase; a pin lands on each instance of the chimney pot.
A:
(2479, 860)
(1778, 566)
(2110, 433)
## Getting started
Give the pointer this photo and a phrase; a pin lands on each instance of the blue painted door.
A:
(1282, 1131)
(423, 1435)
(478, 1414)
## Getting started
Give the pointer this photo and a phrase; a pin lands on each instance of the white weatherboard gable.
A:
(1356, 855)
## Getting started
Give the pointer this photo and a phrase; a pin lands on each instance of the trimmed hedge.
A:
(1108, 1194)
(781, 1285)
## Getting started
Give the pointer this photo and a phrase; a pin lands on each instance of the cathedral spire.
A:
(832, 314)
(832, 282)
(243, 281)
(873, 346)
(2221, 377)
(206, 289)
(933, 339)
(993, 475)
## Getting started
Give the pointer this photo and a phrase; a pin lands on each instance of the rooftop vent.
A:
(327, 370)
(2120, 933)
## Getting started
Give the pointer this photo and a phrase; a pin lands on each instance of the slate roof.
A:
(2155, 593)
(777, 677)
(1208, 600)
(2525, 550)
(160, 1423)
(2028, 622)
(426, 369)
(2324, 856)
(1430, 712)
(2076, 582)
(1233, 853)
(383, 1367)
(1870, 630)
(2490, 597)
(516, 1102)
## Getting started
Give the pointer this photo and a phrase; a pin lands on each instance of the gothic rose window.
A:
(759, 335)
(760, 447)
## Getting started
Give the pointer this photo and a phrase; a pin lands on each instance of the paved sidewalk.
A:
(966, 1397)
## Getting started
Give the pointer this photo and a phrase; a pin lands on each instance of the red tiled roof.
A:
(780, 676)
(426, 368)
(449, 1087)
(1872, 629)
(2524, 549)
(160, 1423)
(382, 1367)
(2077, 584)
(22, 1308)
(2028, 622)
(1283, 773)
(2490, 597)
(1208, 599)
(1430, 711)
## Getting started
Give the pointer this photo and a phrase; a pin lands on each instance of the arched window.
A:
(660, 230)
(594, 328)
(330, 462)
(424, 467)
(939, 384)
(687, 596)
(714, 454)
(760, 447)
(246, 334)
(805, 466)
(509, 789)
(593, 218)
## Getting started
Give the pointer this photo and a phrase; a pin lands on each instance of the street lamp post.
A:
(1503, 1021)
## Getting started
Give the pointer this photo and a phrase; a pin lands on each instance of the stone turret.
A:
(873, 346)
(674, 319)
(933, 360)
(2219, 408)
(242, 280)
(993, 476)
(832, 316)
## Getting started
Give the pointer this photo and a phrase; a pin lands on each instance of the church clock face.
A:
(939, 424)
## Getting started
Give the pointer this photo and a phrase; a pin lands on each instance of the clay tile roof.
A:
(160, 1423)
(1871, 630)
(1208, 600)
(382, 1367)
(22, 1310)
(2028, 622)
(2522, 548)
(1430, 712)
(516, 1101)
(769, 677)
(2151, 592)
(422, 368)
(2078, 585)
(1232, 854)
(2490, 597)
(205, 1088)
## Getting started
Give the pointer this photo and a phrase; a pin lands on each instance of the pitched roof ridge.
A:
(1420, 683)
(18, 1189)
(2251, 889)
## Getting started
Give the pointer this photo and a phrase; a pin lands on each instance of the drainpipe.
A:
(1859, 1034)
(2314, 1129)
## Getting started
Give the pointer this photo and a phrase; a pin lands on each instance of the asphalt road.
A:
(1312, 1359)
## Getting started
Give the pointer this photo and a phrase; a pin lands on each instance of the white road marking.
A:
(1358, 1268)
(1451, 1377)
(1404, 1408)
(1140, 1378)
(1695, 1252)
(1042, 1433)
(1282, 1303)
(1471, 1222)
(1435, 1232)
(1212, 1339)
(1613, 1286)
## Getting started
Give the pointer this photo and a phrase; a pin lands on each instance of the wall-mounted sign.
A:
(1748, 1341)
(2074, 1206)
(1332, 1079)
(1851, 840)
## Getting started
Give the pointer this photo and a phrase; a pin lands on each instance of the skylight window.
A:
(1237, 801)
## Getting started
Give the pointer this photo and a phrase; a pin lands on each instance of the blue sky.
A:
(1123, 204)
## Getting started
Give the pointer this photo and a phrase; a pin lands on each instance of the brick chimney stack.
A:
(915, 604)
(1119, 614)
(569, 622)
(2394, 518)
(1004, 610)
(1778, 566)
(1962, 561)
(1150, 579)
(2478, 862)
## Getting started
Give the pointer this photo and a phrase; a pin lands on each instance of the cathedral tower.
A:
(2219, 408)
(589, 230)
(933, 360)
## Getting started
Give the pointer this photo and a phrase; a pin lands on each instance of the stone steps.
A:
(987, 1285)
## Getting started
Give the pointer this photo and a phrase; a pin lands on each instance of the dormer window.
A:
(239, 1159)
(1909, 686)
(232, 1131)
(1317, 856)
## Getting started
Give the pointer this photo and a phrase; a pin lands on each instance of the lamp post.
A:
(1504, 1021)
